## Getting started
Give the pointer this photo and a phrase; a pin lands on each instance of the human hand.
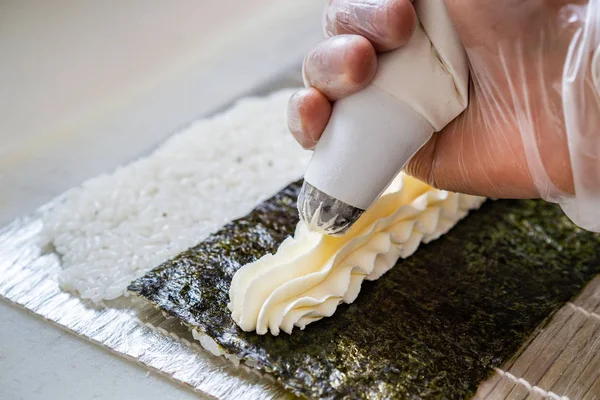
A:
(532, 125)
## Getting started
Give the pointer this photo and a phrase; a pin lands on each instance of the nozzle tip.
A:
(326, 214)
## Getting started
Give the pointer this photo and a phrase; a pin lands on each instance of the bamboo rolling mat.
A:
(561, 361)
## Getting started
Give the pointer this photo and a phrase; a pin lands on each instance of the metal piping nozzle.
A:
(325, 214)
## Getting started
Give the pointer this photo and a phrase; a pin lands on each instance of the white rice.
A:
(116, 227)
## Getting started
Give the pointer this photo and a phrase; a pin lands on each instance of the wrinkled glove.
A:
(532, 127)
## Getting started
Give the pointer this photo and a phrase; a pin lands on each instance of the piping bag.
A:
(371, 135)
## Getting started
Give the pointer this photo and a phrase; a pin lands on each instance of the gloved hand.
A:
(532, 127)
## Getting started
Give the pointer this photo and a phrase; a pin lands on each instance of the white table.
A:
(87, 86)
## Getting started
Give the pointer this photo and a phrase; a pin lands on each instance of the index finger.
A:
(388, 24)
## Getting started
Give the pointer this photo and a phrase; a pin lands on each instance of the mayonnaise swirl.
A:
(311, 273)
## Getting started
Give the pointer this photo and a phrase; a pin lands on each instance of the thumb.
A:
(465, 157)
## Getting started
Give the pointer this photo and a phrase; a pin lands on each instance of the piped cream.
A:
(312, 273)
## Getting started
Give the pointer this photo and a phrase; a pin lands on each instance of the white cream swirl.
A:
(311, 274)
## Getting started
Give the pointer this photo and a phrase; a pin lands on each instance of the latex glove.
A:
(532, 127)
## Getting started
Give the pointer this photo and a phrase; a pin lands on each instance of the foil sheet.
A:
(127, 326)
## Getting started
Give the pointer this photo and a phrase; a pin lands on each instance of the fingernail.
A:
(387, 24)
(293, 114)
(330, 56)
(304, 77)
(327, 64)
(354, 16)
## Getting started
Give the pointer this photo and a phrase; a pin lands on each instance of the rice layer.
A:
(116, 227)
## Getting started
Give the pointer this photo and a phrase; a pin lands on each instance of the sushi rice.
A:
(116, 227)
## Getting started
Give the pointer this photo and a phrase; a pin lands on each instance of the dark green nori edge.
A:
(432, 327)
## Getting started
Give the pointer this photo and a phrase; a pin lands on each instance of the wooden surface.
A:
(562, 361)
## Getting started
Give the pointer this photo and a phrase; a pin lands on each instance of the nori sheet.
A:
(432, 327)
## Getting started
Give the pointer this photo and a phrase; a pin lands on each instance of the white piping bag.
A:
(371, 135)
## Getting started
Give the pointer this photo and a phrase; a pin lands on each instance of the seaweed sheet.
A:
(432, 327)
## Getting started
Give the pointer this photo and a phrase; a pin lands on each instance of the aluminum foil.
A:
(127, 326)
